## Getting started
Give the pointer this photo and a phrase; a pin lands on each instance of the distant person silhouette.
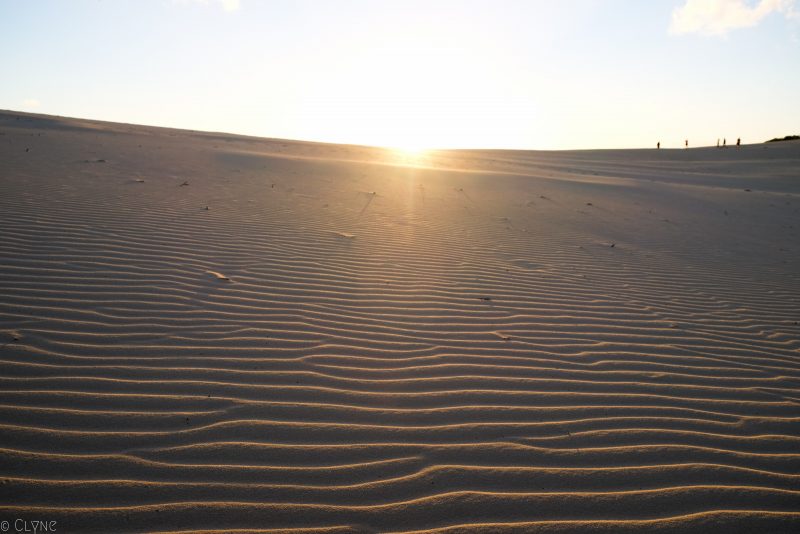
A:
(686, 143)
(658, 145)
(724, 142)
(738, 141)
(717, 142)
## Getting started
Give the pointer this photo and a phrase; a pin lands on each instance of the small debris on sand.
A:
(13, 335)
(485, 298)
(219, 276)
(184, 183)
(346, 235)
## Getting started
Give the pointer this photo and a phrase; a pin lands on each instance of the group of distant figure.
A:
(724, 143)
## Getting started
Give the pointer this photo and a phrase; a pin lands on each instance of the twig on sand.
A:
(219, 276)
(371, 195)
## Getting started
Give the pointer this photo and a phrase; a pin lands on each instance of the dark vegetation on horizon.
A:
(787, 138)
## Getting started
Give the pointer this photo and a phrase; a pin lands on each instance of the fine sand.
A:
(213, 332)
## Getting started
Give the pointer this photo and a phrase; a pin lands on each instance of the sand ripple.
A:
(310, 337)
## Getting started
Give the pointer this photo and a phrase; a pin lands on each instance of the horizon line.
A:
(364, 145)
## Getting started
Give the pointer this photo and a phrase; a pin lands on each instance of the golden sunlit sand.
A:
(210, 332)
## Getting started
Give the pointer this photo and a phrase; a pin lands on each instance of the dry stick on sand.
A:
(370, 195)
(219, 276)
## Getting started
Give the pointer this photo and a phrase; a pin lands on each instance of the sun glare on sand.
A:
(410, 151)
(410, 155)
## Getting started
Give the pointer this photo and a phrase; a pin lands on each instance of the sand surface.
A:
(212, 332)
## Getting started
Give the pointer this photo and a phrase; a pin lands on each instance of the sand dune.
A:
(209, 332)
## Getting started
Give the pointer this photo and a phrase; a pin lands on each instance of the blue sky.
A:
(436, 73)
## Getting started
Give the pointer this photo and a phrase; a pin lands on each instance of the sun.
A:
(417, 89)
(411, 150)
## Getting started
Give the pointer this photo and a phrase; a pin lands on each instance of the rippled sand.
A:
(212, 332)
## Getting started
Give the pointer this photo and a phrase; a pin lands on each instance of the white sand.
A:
(328, 337)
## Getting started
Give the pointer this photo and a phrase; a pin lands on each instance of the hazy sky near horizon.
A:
(537, 74)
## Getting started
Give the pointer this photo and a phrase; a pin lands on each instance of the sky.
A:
(528, 74)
